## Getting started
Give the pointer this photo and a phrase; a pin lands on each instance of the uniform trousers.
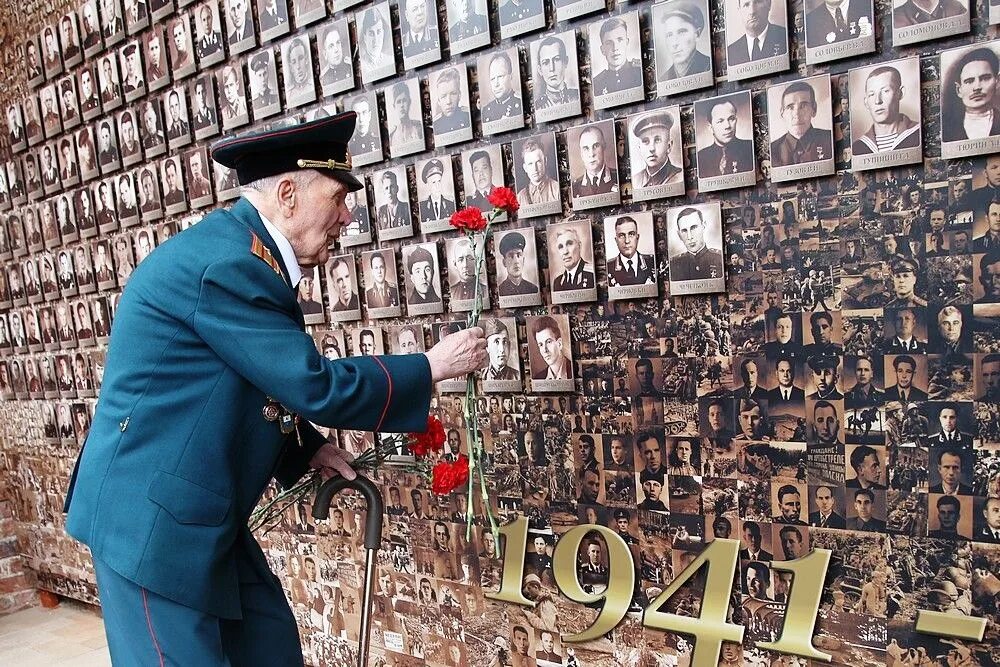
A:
(148, 630)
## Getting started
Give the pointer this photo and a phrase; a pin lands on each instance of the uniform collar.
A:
(284, 248)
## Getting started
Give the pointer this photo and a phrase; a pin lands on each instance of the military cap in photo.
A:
(512, 241)
(494, 327)
(686, 11)
(129, 50)
(418, 255)
(893, 406)
(622, 514)
(904, 264)
(652, 120)
(319, 144)
(260, 61)
(651, 476)
(479, 155)
(821, 361)
(432, 167)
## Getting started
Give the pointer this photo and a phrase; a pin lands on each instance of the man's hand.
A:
(458, 354)
(331, 460)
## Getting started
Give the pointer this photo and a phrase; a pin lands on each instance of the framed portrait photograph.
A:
(378, 59)
(482, 170)
(150, 204)
(32, 175)
(571, 262)
(33, 61)
(182, 59)
(406, 339)
(33, 128)
(885, 114)
(550, 353)
(468, 25)
(108, 156)
(536, 176)
(500, 104)
(918, 20)
(615, 56)
(90, 99)
(104, 268)
(51, 119)
(129, 145)
(419, 34)
(393, 217)
(435, 193)
(264, 98)
(65, 219)
(160, 8)
(366, 142)
(330, 343)
(367, 341)
(86, 153)
(83, 211)
(272, 17)
(90, 28)
(51, 55)
(655, 151)
(50, 229)
(517, 268)
(49, 165)
(682, 46)
(518, 17)
(756, 38)
(593, 165)
(461, 253)
(554, 66)
(15, 188)
(172, 185)
(157, 68)
(724, 140)
(381, 283)
(199, 186)
(154, 138)
(694, 244)
(69, 40)
(84, 265)
(308, 11)
(240, 33)
(109, 82)
(178, 125)
(503, 372)
(69, 167)
(970, 122)
(834, 32)
(208, 34)
(404, 113)
(206, 118)
(570, 9)
(630, 247)
(342, 282)
(449, 95)
(310, 297)
(105, 206)
(69, 105)
(336, 67)
(128, 204)
(358, 231)
(800, 123)
(16, 133)
(296, 62)
(136, 15)
(422, 279)
(227, 187)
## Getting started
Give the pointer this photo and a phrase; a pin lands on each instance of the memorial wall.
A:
(752, 292)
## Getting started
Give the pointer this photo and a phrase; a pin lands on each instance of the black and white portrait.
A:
(756, 38)
(593, 165)
(536, 176)
(157, 68)
(208, 34)
(655, 153)
(309, 295)
(500, 98)
(921, 20)
(517, 268)
(69, 167)
(263, 86)
(682, 45)
(105, 206)
(69, 40)
(127, 202)
(482, 170)
(836, 30)
(342, 283)
(239, 26)
(503, 371)
(800, 120)
(272, 16)
(51, 118)
(33, 129)
(83, 211)
(550, 353)
(630, 246)
(406, 339)
(724, 140)
(518, 17)
(108, 156)
(435, 193)
(468, 25)
(381, 283)
(136, 15)
(205, 118)
(366, 142)
(422, 279)
(33, 61)
(109, 83)
(367, 341)
(336, 68)
(572, 277)
(885, 114)
(178, 125)
(418, 29)
(172, 185)
(69, 105)
(199, 186)
(16, 134)
(90, 28)
(227, 186)
(129, 146)
(51, 56)
(616, 60)
(358, 230)
(694, 243)
(296, 61)
(378, 59)
(150, 205)
(182, 58)
(154, 137)
(405, 117)
(460, 255)
(393, 217)
(86, 153)
(449, 95)
(90, 100)
(970, 97)
(554, 67)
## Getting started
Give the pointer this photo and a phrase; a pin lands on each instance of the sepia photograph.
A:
(404, 113)
(208, 34)
(149, 194)
(90, 28)
(135, 15)
(419, 34)
(616, 60)
(272, 17)
(800, 122)
(556, 85)
(630, 247)
(550, 353)
(517, 268)
(86, 153)
(724, 140)
(374, 29)
(172, 186)
(105, 207)
(381, 283)
(33, 62)
(572, 277)
(151, 132)
(112, 25)
(468, 25)
(128, 206)
(309, 295)
(330, 343)
(205, 120)
(503, 372)
(264, 98)
(536, 176)
(694, 244)
(51, 119)
(969, 122)
(69, 40)
(393, 216)
(157, 68)
(655, 154)
(108, 156)
(308, 11)
(682, 46)
(436, 194)
(199, 187)
(358, 230)
(919, 20)
(128, 139)
(15, 128)
(296, 62)
(227, 186)
(482, 170)
(51, 55)
(422, 279)
(593, 165)
(518, 17)
(834, 32)
(233, 101)
(336, 68)
(756, 38)
(449, 95)
(109, 83)
(69, 105)
(885, 114)
(90, 100)
(366, 142)
(181, 46)
(239, 26)
(178, 126)
(500, 98)
(342, 283)
(133, 75)
(460, 254)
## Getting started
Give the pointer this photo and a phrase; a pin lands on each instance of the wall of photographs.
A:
(751, 292)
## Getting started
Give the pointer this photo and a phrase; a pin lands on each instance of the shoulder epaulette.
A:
(258, 248)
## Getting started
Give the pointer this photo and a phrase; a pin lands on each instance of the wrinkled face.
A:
(691, 230)
(497, 347)
(976, 86)
(681, 38)
(949, 419)
(568, 248)
(421, 274)
(592, 150)
(825, 502)
(482, 174)
(791, 507)
(950, 326)
(550, 346)
(723, 121)
(627, 237)
(613, 45)
(551, 66)
(499, 78)
(826, 423)
(797, 110)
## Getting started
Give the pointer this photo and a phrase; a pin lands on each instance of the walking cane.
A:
(373, 538)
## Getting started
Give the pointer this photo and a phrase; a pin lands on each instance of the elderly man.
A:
(577, 273)
(802, 142)
(419, 34)
(223, 352)
(948, 338)
(598, 178)
(891, 130)
(498, 348)
(481, 165)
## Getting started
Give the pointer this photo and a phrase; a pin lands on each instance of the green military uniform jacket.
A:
(706, 263)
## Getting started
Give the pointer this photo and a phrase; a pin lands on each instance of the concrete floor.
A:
(71, 635)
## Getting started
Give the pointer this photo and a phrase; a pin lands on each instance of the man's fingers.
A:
(344, 468)
(346, 455)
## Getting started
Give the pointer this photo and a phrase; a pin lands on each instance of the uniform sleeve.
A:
(245, 315)
(294, 461)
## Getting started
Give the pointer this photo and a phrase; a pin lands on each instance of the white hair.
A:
(269, 184)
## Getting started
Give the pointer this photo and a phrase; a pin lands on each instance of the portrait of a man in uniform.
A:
(548, 349)
(392, 211)
(436, 206)
(884, 88)
(501, 87)
(467, 19)
(208, 33)
(273, 17)
(629, 267)
(450, 100)
(801, 141)
(206, 118)
(501, 345)
(343, 285)
(617, 47)
(568, 252)
(750, 33)
(554, 63)
(380, 275)
(696, 259)
(677, 36)
(336, 70)
(366, 138)
(421, 274)
(479, 166)
(534, 178)
(514, 260)
(418, 25)
(406, 129)
(181, 52)
(239, 25)
(263, 84)
(296, 60)
(461, 254)
(595, 150)
(918, 12)
(721, 151)
(832, 21)
(654, 134)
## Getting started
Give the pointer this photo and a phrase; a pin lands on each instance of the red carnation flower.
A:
(469, 219)
(446, 477)
(431, 440)
(504, 199)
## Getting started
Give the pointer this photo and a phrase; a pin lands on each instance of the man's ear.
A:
(288, 196)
